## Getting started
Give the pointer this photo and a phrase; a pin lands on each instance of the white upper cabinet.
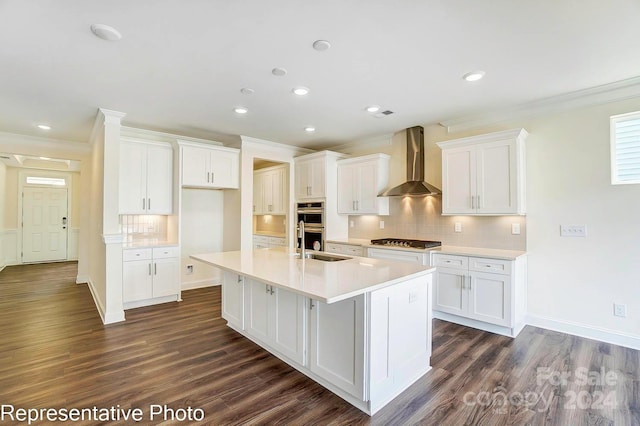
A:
(270, 191)
(146, 178)
(484, 175)
(360, 180)
(310, 178)
(210, 166)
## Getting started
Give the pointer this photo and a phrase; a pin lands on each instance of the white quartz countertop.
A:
(327, 282)
(445, 249)
(481, 252)
(148, 242)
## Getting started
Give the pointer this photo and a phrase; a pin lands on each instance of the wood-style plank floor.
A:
(55, 353)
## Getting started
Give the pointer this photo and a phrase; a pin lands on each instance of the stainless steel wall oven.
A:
(313, 216)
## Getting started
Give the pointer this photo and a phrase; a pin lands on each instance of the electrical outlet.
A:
(573, 230)
(515, 229)
(189, 269)
(619, 310)
(382, 224)
(351, 224)
(457, 227)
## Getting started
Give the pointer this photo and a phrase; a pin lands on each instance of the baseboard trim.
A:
(192, 285)
(586, 331)
(82, 279)
(96, 301)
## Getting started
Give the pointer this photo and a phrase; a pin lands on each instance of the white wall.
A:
(3, 180)
(574, 282)
(201, 232)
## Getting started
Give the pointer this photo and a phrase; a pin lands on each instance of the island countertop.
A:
(327, 282)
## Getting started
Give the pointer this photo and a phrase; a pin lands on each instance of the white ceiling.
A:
(181, 63)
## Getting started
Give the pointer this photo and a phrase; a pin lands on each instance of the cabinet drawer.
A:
(333, 248)
(165, 252)
(260, 239)
(352, 250)
(451, 261)
(136, 254)
(494, 266)
(277, 242)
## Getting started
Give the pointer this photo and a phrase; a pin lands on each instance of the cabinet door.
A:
(159, 179)
(267, 192)
(257, 312)
(165, 277)
(496, 182)
(302, 178)
(137, 281)
(195, 166)
(367, 188)
(317, 178)
(133, 176)
(337, 343)
(224, 169)
(458, 181)
(490, 298)
(233, 299)
(278, 191)
(450, 293)
(287, 335)
(347, 189)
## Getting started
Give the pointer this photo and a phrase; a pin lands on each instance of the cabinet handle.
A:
(469, 282)
(208, 175)
(155, 269)
(213, 178)
(353, 205)
(149, 269)
(239, 279)
(357, 205)
(143, 204)
(148, 203)
(266, 286)
(479, 206)
(473, 201)
(271, 292)
(311, 305)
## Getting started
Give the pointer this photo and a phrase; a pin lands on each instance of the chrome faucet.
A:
(303, 252)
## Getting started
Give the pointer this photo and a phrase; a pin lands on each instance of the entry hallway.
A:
(55, 353)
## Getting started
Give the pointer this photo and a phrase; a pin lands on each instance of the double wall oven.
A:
(312, 214)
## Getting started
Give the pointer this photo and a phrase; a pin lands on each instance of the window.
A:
(40, 180)
(625, 148)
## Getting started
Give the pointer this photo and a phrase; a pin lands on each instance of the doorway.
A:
(44, 218)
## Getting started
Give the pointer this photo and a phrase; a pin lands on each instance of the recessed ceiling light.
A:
(300, 91)
(473, 76)
(241, 110)
(106, 32)
(44, 127)
(279, 72)
(372, 108)
(321, 45)
(247, 91)
(309, 129)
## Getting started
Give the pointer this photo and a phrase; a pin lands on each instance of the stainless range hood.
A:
(415, 185)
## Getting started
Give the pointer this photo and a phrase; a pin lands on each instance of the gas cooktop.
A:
(402, 242)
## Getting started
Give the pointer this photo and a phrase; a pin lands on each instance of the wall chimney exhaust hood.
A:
(415, 186)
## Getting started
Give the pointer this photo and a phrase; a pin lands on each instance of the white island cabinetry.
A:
(360, 327)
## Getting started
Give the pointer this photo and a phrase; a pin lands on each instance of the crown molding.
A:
(274, 146)
(34, 145)
(612, 92)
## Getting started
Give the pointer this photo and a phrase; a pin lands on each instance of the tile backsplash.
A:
(421, 218)
(143, 226)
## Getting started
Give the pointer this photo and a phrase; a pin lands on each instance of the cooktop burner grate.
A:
(403, 242)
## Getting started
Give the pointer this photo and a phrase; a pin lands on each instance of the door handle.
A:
(64, 220)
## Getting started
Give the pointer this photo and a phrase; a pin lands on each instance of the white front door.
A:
(44, 224)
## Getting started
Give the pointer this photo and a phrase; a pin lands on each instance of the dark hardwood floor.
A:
(55, 353)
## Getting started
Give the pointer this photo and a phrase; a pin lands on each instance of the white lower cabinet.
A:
(264, 241)
(481, 292)
(336, 343)
(367, 349)
(276, 317)
(233, 299)
(150, 276)
(348, 249)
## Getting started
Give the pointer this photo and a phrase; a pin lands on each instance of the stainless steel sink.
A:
(325, 257)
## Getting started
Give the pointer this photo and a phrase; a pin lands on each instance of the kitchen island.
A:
(360, 327)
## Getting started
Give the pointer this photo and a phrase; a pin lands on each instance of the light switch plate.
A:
(515, 228)
(457, 227)
(573, 230)
(351, 224)
(382, 224)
